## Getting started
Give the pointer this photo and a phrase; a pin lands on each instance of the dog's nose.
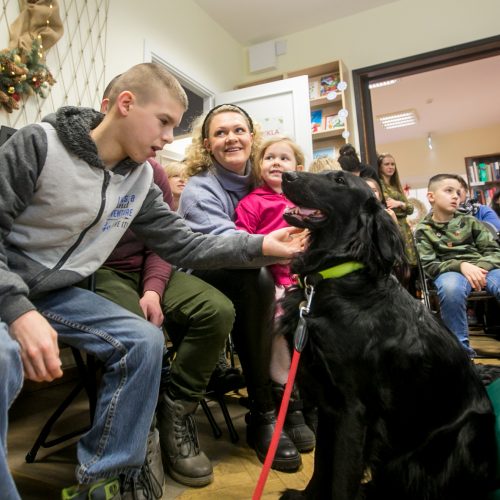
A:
(290, 176)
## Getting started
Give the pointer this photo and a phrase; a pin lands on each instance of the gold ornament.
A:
(11, 90)
(17, 59)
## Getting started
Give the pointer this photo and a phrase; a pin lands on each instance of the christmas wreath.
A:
(23, 70)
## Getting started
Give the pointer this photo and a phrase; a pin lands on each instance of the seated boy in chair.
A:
(458, 253)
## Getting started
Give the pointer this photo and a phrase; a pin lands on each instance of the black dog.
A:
(403, 414)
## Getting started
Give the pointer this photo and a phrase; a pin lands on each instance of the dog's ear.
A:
(379, 244)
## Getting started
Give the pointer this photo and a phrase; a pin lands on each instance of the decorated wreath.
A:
(23, 71)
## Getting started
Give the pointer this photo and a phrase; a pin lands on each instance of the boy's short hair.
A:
(435, 179)
(144, 80)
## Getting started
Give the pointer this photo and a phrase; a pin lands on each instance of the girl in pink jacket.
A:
(260, 212)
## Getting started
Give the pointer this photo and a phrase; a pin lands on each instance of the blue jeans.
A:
(453, 290)
(131, 350)
(11, 377)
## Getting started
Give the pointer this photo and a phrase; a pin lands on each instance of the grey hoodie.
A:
(62, 213)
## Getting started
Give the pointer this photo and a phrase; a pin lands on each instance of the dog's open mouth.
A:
(304, 214)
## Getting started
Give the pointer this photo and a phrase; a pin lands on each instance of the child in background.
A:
(324, 163)
(377, 191)
(469, 206)
(176, 173)
(458, 253)
(260, 212)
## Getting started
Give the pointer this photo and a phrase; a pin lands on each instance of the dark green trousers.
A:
(198, 319)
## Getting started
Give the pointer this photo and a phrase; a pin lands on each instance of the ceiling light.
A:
(398, 119)
(384, 83)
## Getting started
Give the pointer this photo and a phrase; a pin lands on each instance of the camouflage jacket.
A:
(443, 246)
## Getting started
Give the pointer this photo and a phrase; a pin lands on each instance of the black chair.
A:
(87, 380)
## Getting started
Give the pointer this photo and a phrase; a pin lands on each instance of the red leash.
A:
(299, 340)
(264, 473)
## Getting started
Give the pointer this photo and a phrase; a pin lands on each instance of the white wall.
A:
(181, 33)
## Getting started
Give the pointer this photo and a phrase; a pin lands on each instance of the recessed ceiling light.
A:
(384, 83)
(398, 119)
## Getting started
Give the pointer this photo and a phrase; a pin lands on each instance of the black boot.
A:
(182, 457)
(260, 428)
(225, 378)
(295, 425)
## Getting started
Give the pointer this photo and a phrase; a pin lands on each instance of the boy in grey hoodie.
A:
(71, 186)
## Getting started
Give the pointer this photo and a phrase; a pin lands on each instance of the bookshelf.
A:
(329, 131)
(483, 176)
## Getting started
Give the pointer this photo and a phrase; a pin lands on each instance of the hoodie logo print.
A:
(122, 214)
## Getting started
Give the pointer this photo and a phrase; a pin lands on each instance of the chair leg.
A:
(233, 434)
(211, 420)
(87, 382)
(44, 433)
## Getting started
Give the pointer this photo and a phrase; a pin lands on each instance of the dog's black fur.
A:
(403, 414)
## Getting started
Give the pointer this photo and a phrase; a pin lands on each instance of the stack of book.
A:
(480, 172)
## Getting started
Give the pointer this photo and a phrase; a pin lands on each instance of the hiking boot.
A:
(260, 428)
(149, 483)
(180, 448)
(105, 489)
(295, 425)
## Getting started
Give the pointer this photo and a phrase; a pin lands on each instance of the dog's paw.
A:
(292, 495)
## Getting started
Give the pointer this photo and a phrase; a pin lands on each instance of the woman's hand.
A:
(392, 203)
(285, 242)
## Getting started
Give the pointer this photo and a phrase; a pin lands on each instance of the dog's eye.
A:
(340, 180)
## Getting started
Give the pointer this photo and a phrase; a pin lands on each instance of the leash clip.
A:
(309, 293)
(300, 335)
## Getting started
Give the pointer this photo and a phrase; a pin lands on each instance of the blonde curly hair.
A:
(198, 159)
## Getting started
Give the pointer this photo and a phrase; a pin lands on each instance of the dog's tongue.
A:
(303, 212)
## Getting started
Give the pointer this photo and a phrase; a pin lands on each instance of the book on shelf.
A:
(333, 122)
(484, 196)
(316, 120)
(328, 83)
(314, 89)
(324, 152)
(482, 171)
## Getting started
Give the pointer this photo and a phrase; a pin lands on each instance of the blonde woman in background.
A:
(176, 173)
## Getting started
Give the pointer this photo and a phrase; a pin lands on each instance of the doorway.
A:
(429, 61)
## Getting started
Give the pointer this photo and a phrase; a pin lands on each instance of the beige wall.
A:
(179, 32)
(393, 31)
(390, 32)
(417, 163)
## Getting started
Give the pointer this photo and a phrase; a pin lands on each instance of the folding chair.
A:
(87, 380)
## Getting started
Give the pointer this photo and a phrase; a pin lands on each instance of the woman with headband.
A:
(221, 172)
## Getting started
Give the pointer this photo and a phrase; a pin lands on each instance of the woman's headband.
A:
(204, 132)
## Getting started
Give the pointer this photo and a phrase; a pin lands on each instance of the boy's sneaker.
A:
(149, 483)
(105, 489)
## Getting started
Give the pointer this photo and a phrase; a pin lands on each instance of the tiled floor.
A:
(236, 466)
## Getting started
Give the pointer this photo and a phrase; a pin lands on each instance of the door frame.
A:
(458, 54)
